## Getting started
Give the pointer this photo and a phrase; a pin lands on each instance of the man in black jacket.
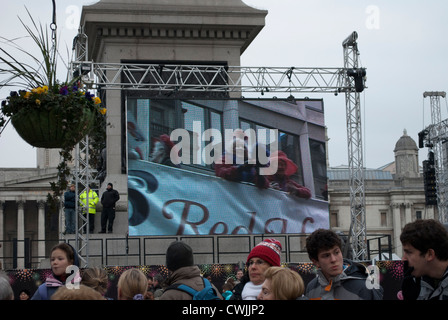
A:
(70, 211)
(108, 200)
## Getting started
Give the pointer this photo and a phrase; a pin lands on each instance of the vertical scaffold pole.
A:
(82, 173)
(354, 79)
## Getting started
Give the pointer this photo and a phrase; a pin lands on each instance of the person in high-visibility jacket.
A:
(93, 200)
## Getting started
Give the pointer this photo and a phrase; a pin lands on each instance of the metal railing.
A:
(116, 251)
(382, 249)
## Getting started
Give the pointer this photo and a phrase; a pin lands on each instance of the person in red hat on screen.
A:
(264, 255)
(281, 179)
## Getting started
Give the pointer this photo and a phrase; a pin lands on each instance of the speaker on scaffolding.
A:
(429, 181)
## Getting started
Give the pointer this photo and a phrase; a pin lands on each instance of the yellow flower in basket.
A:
(97, 100)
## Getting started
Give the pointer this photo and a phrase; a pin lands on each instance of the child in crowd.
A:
(62, 256)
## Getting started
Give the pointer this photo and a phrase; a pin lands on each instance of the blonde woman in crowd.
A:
(96, 278)
(82, 293)
(282, 284)
(132, 285)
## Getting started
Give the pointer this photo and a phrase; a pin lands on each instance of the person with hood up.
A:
(62, 257)
(337, 278)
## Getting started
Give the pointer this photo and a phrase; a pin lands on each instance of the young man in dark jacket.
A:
(108, 200)
(337, 278)
(69, 209)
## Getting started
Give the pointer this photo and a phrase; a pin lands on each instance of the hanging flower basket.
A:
(56, 118)
(47, 129)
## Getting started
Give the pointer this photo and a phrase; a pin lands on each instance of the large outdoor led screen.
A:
(202, 167)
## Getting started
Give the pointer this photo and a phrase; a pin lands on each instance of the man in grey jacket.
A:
(337, 278)
(425, 250)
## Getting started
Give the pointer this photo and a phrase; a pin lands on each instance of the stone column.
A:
(408, 211)
(20, 234)
(305, 153)
(231, 115)
(396, 219)
(114, 136)
(41, 229)
(431, 212)
(2, 234)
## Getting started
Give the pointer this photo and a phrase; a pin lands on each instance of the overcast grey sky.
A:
(403, 45)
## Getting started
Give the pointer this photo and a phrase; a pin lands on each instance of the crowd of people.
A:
(425, 254)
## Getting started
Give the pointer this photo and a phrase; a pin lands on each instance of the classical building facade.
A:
(25, 226)
(394, 196)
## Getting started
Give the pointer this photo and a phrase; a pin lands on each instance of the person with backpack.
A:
(185, 281)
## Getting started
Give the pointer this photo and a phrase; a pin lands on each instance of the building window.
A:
(288, 143)
(383, 217)
(319, 166)
(146, 121)
(334, 221)
(153, 118)
(418, 215)
(208, 119)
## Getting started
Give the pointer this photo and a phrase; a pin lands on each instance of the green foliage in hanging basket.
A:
(53, 119)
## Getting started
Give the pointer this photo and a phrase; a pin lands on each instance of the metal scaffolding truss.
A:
(83, 176)
(165, 79)
(354, 79)
(436, 136)
(215, 78)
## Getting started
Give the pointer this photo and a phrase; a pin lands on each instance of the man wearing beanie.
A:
(179, 261)
(108, 200)
(264, 255)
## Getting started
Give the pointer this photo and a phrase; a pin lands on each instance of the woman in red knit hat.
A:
(264, 255)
